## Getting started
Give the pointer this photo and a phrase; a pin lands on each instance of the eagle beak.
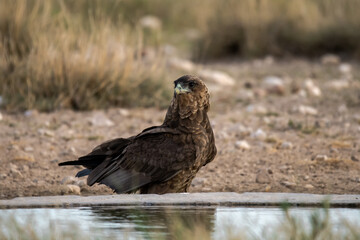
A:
(179, 89)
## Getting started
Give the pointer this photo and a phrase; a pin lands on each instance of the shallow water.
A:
(162, 222)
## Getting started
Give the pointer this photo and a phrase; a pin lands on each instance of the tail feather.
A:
(83, 173)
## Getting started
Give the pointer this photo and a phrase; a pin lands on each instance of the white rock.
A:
(245, 94)
(307, 110)
(46, 132)
(345, 68)
(73, 189)
(342, 108)
(286, 145)
(259, 134)
(242, 145)
(330, 59)
(338, 84)
(182, 64)
(312, 88)
(150, 22)
(68, 180)
(288, 184)
(257, 109)
(99, 119)
(28, 149)
(274, 84)
(124, 112)
(309, 186)
(1, 116)
(218, 77)
(321, 157)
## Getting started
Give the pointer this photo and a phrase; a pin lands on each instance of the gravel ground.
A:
(280, 126)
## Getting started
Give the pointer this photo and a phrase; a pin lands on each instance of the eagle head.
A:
(190, 95)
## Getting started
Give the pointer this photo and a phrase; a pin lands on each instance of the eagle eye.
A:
(192, 84)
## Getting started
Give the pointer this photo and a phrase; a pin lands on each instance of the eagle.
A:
(160, 159)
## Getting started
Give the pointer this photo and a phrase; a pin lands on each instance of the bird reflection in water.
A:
(158, 222)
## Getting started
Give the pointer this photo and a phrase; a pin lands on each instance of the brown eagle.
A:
(160, 159)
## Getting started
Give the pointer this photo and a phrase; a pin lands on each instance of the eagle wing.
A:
(155, 155)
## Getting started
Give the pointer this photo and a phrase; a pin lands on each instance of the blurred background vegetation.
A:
(89, 54)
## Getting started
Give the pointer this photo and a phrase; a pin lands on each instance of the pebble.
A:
(286, 145)
(80, 183)
(198, 182)
(30, 113)
(307, 110)
(68, 180)
(73, 189)
(288, 184)
(259, 134)
(99, 119)
(306, 177)
(14, 171)
(257, 109)
(312, 88)
(242, 145)
(354, 158)
(124, 112)
(1, 116)
(245, 95)
(330, 59)
(28, 149)
(338, 84)
(274, 85)
(46, 132)
(218, 77)
(345, 68)
(182, 64)
(263, 177)
(18, 155)
(3, 175)
(309, 186)
(321, 157)
(150, 22)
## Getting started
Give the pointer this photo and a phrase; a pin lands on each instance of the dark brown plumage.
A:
(161, 159)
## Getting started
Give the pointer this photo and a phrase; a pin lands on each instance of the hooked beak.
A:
(179, 89)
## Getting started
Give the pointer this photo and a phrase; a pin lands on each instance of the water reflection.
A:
(153, 222)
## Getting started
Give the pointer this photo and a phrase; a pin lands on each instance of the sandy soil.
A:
(267, 137)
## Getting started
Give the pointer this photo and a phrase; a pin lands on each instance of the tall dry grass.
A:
(51, 57)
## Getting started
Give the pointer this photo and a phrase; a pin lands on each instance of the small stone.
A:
(124, 112)
(354, 158)
(1, 116)
(330, 59)
(99, 119)
(338, 84)
(345, 68)
(218, 77)
(18, 155)
(242, 145)
(274, 85)
(286, 145)
(306, 177)
(31, 113)
(80, 183)
(14, 171)
(259, 134)
(321, 157)
(334, 150)
(309, 186)
(198, 182)
(150, 22)
(68, 180)
(3, 175)
(28, 149)
(288, 184)
(263, 177)
(46, 132)
(245, 95)
(312, 88)
(257, 109)
(267, 188)
(182, 64)
(307, 110)
(73, 189)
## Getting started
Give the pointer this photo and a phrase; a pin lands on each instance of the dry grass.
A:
(50, 58)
